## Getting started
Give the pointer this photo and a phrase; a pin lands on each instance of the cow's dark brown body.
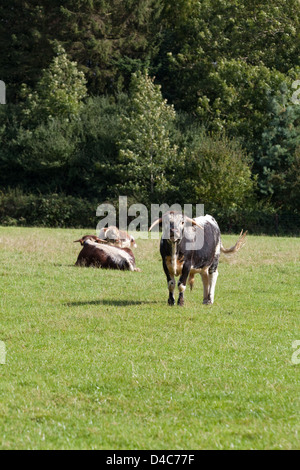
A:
(103, 255)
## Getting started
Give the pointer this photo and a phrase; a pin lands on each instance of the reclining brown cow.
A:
(100, 254)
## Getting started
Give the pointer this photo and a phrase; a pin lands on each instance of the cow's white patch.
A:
(102, 233)
(174, 259)
(218, 248)
(197, 270)
(171, 285)
(203, 219)
(212, 285)
(181, 287)
(132, 242)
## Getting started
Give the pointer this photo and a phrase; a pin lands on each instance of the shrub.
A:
(215, 170)
(53, 210)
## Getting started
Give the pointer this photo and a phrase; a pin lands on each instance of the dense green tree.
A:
(198, 34)
(109, 39)
(11, 173)
(77, 157)
(39, 136)
(234, 98)
(223, 62)
(220, 57)
(24, 38)
(166, 158)
(58, 93)
(278, 155)
(146, 153)
(35, 158)
(93, 170)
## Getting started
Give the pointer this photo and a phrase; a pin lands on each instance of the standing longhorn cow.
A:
(190, 246)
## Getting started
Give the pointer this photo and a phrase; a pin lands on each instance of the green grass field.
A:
(97, 360)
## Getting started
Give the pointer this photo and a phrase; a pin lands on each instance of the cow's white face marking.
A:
(173, 221)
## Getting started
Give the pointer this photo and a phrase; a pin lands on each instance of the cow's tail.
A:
(241, 241)
(191, 280)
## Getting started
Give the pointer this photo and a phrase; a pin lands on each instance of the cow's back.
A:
(204, 248)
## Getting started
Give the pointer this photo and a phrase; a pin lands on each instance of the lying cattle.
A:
(190, 246)
(100, 254)
(117, 237)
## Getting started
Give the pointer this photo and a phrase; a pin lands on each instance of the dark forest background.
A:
(162, 101)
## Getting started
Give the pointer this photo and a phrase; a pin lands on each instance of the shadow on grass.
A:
(114, 302)
(62, 265)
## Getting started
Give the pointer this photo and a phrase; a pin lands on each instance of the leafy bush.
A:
(258, 219)
(215, 170)
(77, 157)
(59, 210)
(53, 210)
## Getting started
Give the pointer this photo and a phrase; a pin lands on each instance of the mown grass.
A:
(97, 360)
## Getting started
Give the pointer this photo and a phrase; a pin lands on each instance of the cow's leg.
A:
(212, 278)
(182, 282)
(205, 282)
(171, 284)
(212, 285)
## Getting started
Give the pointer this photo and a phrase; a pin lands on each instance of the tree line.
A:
(187, 102)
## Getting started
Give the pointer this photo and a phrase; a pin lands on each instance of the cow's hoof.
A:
(180, 302)
(207, 302)
(171, 302)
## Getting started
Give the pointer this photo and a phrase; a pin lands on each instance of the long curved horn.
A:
(193, 222)
(99, 240)
(155, 223)
(80, 241)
